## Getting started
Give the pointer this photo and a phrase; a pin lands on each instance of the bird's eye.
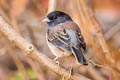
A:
(54, 17)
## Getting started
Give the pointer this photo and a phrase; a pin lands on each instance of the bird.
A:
(64, 37)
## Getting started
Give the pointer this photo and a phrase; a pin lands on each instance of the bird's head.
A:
(56, 17)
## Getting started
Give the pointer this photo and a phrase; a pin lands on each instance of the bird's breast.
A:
(57, 51)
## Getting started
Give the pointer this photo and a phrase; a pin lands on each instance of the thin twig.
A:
(90, 20)
(100, 66)
(96, 27)
(84, 26)
(112, 31)
(52, 5)
(96, 75)
(31, 51)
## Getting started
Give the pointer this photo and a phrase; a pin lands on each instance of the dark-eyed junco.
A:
(64, 37)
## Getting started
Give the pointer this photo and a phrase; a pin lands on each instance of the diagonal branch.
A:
(31, 51)
(115, 29)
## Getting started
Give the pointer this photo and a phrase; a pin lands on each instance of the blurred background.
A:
(26, 17)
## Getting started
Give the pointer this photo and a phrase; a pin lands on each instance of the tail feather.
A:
(79, 56)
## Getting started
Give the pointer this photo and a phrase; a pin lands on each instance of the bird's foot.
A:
(70, 73)
(56, 61)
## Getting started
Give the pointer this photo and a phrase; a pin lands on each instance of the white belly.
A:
(58, 52)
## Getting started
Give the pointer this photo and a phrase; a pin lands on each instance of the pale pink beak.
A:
(46, 20)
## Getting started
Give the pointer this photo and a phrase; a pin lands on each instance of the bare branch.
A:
(112, 31)
(52, 5)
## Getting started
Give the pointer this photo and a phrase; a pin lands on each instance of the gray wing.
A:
(60, 39)
(79, 50)
(80, 38)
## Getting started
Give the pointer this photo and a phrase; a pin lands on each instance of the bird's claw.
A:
(55, 60)
(70, 73)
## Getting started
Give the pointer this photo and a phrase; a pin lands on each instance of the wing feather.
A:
(60, 39)
(81, 40)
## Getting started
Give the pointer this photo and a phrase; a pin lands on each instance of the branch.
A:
(112, 31)
(95, 74)
(82, 20)
(31, 51)
(52, 5)
(94, 24)
(89, 22)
